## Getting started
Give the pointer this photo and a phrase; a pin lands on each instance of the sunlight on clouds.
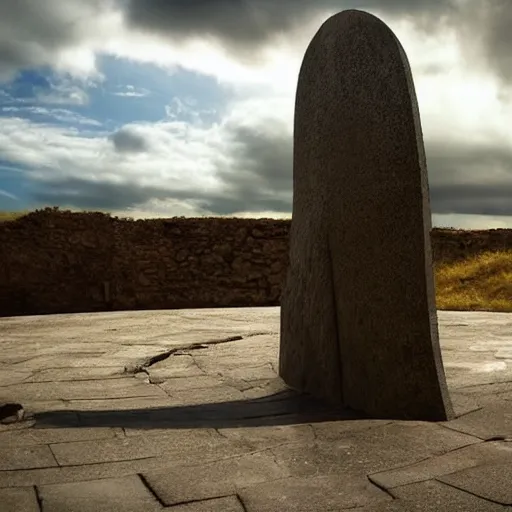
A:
(162, 208)
(445, 102)
(246, 153)
(446, 85)
(80, 62)
(277, 67)
(179, 158)
(471, 221)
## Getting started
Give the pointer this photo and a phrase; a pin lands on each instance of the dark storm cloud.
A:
(125, 140)
(260, 179)
(485, 25)
(459, 175)
(91, 195)
(263, 159)
(85, 194)
(468, 179)
(473, 199)
(32, 32)
(244, 26)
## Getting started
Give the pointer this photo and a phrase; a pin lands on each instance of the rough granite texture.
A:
(358, 315)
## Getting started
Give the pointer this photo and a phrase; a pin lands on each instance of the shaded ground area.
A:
(183, 410)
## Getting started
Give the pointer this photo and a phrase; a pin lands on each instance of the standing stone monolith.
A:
(358, 313)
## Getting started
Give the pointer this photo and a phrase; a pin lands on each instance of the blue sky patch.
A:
(130, 93)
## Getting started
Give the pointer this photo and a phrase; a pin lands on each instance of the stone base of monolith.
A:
(358, 314)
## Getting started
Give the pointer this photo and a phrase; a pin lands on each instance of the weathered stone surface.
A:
(435, 467)
(120, 404)
(227, 504)
(370, 450)
(187, 447)
(315, 493)
(250, 373)
(334, 430)
(173, 385)
(490, 421)
(126, 494)
(358, 315)
(21, 499)
(92, 389)
(175, 366)
(259, 438)
(8, 376)
(221, 478)
(206, 395)
(57, 474)
(37, 436)
(433, 496)
(330, 463)
(67, 374)
(492, 482)
(16, 457)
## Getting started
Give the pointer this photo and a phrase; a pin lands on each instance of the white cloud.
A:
(133, 92)
(7, 194)
(58, 114)
(184, 163)
(468, 221)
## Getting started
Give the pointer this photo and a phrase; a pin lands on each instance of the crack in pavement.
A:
(150, 361)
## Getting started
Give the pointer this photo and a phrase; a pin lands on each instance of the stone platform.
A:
(183, 410)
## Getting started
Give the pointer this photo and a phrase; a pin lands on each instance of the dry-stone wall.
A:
(61, 262)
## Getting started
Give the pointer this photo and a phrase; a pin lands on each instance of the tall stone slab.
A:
(358, 313)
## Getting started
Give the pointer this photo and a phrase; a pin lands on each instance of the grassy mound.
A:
(480, 283)
(5, 216)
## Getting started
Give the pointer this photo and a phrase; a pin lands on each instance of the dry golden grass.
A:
(5, 216)
(480, 283)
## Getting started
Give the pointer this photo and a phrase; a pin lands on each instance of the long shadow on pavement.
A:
(282, 408)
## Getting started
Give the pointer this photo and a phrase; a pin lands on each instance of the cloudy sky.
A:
(156, 108)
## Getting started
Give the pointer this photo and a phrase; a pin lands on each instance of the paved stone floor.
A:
(183, 410)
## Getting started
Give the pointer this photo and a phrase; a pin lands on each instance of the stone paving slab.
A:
(42, 436)
(79, 473)
(226, 504)
(25, 457)
(194, 445)
(474, 455)
(494, 420)
(215, 480)
(303, 494)
(73, 390)
(183, 411)
(489, 481)
(19, 498)
(115, 494)
(9, 376)
(433, 496)
(74, 374)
